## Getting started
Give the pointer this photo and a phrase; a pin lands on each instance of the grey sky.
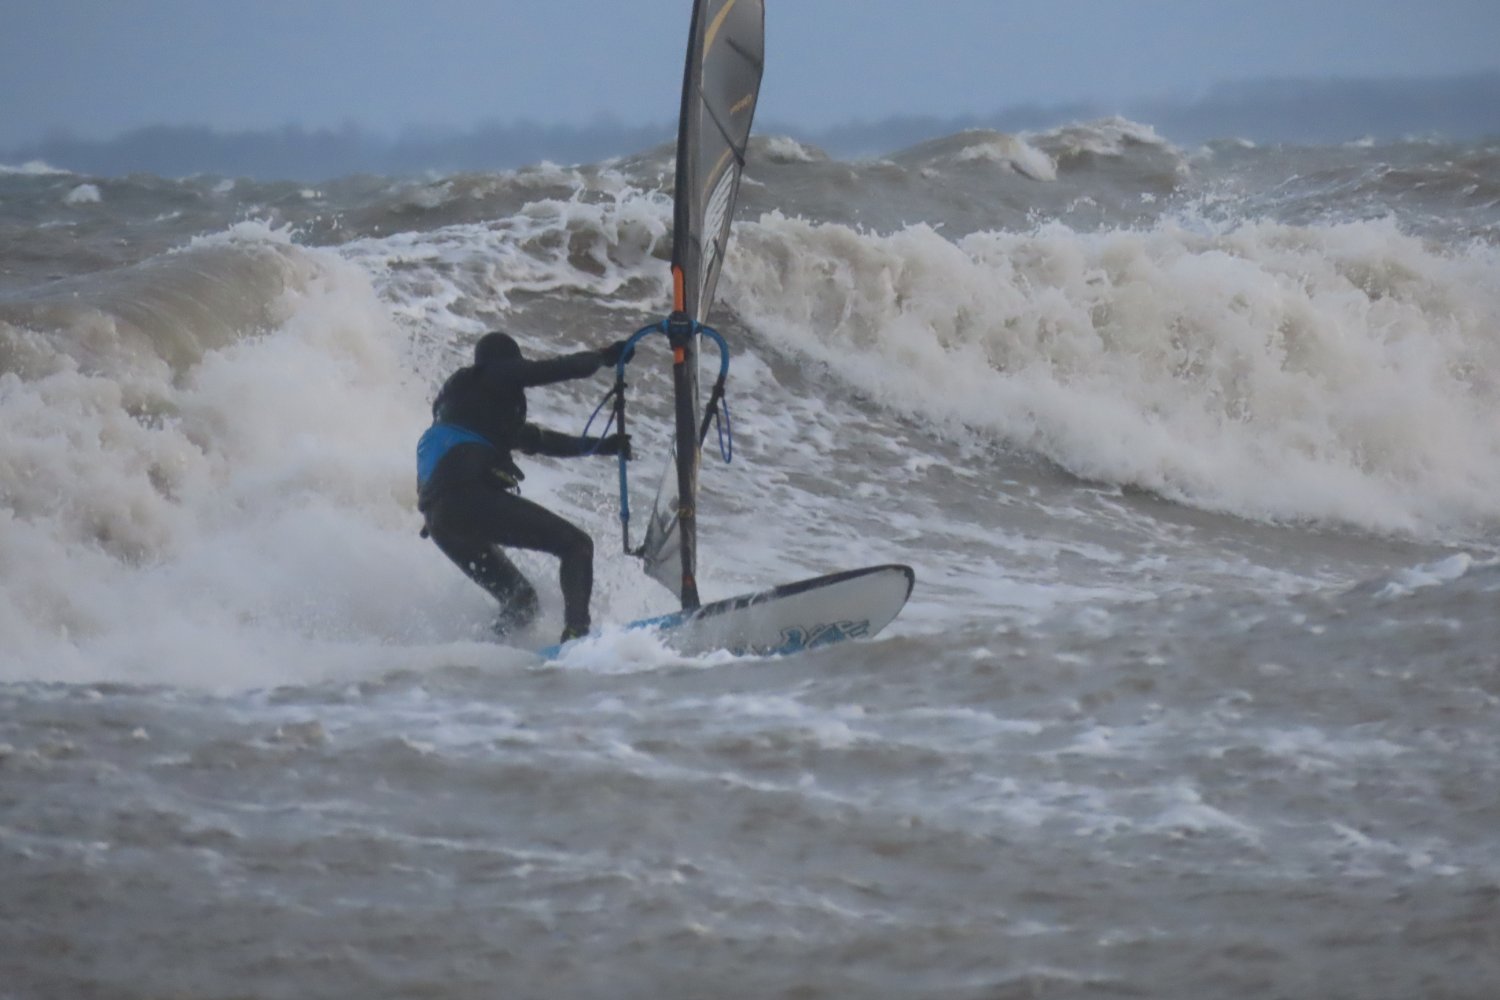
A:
(98, 67)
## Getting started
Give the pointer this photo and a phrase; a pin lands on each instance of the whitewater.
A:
(1194, 452)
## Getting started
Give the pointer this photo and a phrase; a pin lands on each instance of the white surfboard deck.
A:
(854, 604)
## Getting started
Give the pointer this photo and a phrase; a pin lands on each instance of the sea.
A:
(1194, 450)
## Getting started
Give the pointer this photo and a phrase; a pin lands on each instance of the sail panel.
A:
(662, 549)
(721, 83)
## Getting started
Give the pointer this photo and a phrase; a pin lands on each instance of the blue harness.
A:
(436, 441)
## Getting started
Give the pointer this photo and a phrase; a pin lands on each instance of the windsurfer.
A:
(469, 485)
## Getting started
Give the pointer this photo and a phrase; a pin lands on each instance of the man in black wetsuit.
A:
(469, 486)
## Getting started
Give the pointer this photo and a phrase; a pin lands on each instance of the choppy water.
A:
(1194, 453)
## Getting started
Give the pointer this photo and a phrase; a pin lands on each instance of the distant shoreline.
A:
(1301, 111)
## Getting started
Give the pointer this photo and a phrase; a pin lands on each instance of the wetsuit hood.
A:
(496, 346)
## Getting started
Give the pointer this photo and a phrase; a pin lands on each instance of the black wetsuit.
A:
(469, 497)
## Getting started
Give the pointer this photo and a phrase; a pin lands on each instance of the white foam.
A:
(1181, 811)
(83, 194)
(268, 509)
(1415, 578)
(1012, 152)
(1340, 373)
(34, 168)
(1101, 137)
(1308, 749)
(521, 254)
(615, 650)
(784, 149)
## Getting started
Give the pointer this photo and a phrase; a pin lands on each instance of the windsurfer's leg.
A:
(526, 525)
(487, 566)
(468, 522)
(462, 526)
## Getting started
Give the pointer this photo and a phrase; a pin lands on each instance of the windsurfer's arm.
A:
(525, 373)
(536, 440)
(522, 373)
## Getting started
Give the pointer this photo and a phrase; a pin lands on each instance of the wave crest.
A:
(1339, 373)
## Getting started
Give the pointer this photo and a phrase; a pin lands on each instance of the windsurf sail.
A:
(721, 82)
(726, 51)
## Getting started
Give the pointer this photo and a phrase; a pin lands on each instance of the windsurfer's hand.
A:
(616, 444)
(612, 355)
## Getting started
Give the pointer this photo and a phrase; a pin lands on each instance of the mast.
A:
(679, 325)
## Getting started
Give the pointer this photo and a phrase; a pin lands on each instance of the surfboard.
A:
(791, 618)
(720, 87)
